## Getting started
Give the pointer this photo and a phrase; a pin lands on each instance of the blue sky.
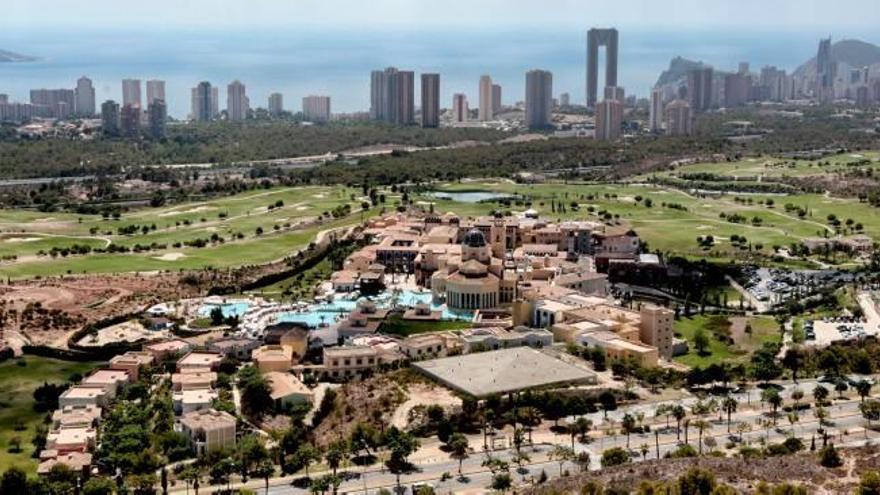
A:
(827, 15)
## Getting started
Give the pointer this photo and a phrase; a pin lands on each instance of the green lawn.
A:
(17, 385)
(405, 328)
(763, 329)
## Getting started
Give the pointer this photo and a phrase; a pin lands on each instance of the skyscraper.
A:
(158, 114)
(655, 112)
(203, 102)
(539, 98)
(699, 88)
(110, 118)
(736, 90)
(406, 101)
(130, 121)
(486, 106)
(826, 70)
(679, 120)
(155, 91)
(595, 39)
(496, 99)
(236, 101)
(615, 93)
(459, 108)
(84, 96)
(276, 104)
(131, 92)
(392, 96)
(316, 108)
(743, 69)
(609, 118)
(430, 100)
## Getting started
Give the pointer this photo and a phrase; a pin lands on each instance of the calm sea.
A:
(301, 61)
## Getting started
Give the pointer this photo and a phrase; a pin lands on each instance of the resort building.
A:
(199, 361)
(167, 349)
(208, 430)
(287, 390)
(132, 362)
(81, 395)
(273, 358)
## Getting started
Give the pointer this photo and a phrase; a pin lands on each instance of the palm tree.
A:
(772, 397)
(458, 449)
(729, 405)
(687, 425)
(679, 414)
(628, 425)
(530, 417)
(701, 426)
(583, 426)
(562, 454)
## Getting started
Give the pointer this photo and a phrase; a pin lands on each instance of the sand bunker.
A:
(191, 210)
(170, 257)
(23, 239)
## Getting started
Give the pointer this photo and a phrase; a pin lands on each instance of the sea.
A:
(304, 60)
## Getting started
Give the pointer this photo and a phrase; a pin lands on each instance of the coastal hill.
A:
(854, 53)
(7, 56)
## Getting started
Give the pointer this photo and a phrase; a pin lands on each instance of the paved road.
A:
(845, 426)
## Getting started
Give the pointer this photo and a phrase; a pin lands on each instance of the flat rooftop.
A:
(498, 372)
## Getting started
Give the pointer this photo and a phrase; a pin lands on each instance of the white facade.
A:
(131, 92)
(237, 103)
(316, 108)
(486, 106)
(155, 91)
(655, 121)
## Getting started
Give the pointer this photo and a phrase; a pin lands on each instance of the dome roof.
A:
(474, 238)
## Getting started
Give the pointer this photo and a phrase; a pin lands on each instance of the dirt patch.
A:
(23, 239)
(423, 394)
(197, 209)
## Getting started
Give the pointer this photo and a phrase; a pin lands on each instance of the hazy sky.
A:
(827, 15)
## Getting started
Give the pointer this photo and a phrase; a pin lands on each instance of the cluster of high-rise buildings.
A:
(133, 117)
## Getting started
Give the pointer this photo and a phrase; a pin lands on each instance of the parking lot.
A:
(832, 329)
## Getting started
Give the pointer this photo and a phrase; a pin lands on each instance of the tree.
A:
(871, 412)
(501, 482)
(96, 486)
(265, 469)
(581, 427)
(863, 388)
(729, 404)
(679, 413)
(336, 451)
(820, 393)
(796, 395)
(583, 460)
(14, 481)
(562, 454)
(701, 341)
(401, 445)
(614, 456)
(256, 395)
(628, 425)
(696, 481)
(829, 457)
(772, 397)
(701, 426)
(608, 401)
(840, 387)
(458, 449)
(794, 361)
(305, 455)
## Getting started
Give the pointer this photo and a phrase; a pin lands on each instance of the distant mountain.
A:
(6, 56)
(854, 53)
(677, 71)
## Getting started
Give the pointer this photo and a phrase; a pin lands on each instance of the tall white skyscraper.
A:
(316, 108)
(131, 92)
(459, 108)
(155, 91)
(539, 98)
(486, 107)
(236, 101)
(609, 116)
(84, 97)
(655, 120)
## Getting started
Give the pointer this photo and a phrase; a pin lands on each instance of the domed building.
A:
(475, 283)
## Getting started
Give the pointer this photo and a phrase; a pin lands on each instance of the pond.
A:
(468, 196)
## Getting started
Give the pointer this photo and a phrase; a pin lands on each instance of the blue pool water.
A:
(326, 313)
(230, 309)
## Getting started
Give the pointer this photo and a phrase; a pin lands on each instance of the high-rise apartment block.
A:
(699, 88)
(486, 106)
(609, 118)
(595, 39)
(84, 97)
(459, 108)
(564, 100)
(430, 100)
(131, 92)
(826, 71)
(203, 102)
(736, 90)
(157, 112)
(496, 99)
(679, 119)
(316, 108)
(155, 91)
(55, 103)
(110, 118)
(276, 104)
(392, 96)
(237, 103)
(655, 111)
(539, 99)
(130, 121)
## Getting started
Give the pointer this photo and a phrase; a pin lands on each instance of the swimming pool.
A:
(229, 309)
(339, 309)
